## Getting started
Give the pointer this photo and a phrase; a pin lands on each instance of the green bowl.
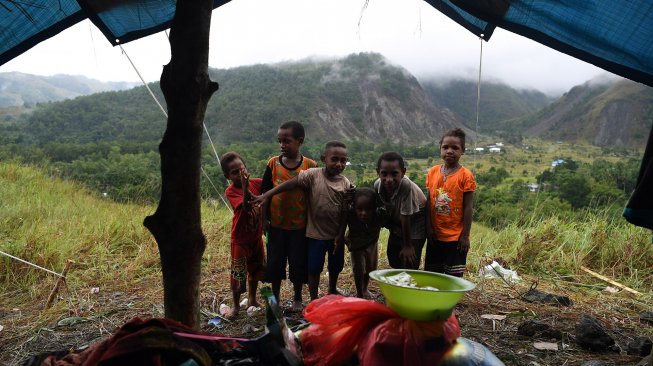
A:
(418, 303)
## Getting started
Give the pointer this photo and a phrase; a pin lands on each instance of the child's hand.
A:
(257, 201)
(463, 244)
(337, 242)
(349, 195)
(244, 177)
(407, 255)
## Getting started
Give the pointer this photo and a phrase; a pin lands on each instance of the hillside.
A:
(360, 97)
(603, 114)
(498, 102)
(18, 89)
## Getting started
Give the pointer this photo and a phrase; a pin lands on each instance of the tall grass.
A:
(557, 246)
(46, 221)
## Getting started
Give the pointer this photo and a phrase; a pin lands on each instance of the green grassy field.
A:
(47, 221)
(116, 275)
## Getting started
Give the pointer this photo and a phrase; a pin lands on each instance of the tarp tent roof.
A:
(25, 23)
(614, 35)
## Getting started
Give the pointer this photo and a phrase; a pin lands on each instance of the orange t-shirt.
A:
(446, 201)
(287, 209)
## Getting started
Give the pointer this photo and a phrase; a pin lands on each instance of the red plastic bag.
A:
(347, 327)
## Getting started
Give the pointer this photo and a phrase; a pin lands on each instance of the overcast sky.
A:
(410, 33)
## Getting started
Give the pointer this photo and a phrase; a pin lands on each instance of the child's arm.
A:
(266, 185)
(468, 211)
(283, 187)
(407, 253)
(340, 238)
(247, 205)
(429, 227)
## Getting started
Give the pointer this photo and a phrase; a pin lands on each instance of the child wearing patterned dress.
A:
(247, 254)
(450, 206)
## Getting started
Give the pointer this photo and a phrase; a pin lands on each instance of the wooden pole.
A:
(610, 281)
(60, 280)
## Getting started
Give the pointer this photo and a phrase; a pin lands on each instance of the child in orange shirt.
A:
(450, 206)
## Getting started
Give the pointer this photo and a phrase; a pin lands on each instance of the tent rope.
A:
(143, 80)
(32, 264)
(156, 100)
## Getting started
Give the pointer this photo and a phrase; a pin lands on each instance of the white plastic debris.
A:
(546, 346)
(224, 309)
(1, 328)
(495, 270)
(405, 280)
(611, 290)
(252, 309)
(244, 302)
(95, 290)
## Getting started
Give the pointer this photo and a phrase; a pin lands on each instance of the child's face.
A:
(364, 207)
(451, 150)
(288, 144)
(335, 160)
(234, 170)
(390, 173)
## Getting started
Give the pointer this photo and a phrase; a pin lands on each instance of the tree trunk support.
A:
(176, 224)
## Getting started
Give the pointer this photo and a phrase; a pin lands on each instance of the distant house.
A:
(500, 144)
(557, 162)
(479, 149)
(495, 149)
(533, 187)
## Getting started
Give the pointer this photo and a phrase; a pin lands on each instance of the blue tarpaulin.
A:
(25, 23)
(614, 35)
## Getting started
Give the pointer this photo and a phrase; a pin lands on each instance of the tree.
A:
(176, 224)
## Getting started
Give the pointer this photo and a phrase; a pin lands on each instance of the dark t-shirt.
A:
(361, 235)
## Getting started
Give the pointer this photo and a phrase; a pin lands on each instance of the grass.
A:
(46, 221)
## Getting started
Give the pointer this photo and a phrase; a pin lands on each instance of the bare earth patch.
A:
(83, 316)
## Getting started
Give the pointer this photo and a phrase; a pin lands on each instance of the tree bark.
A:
(176, 224)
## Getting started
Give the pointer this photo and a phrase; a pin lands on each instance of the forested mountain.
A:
(609, 113)
(18, 89)
(361, 97)
(498, 102)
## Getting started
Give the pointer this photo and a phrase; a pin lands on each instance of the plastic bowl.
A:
(422, 304)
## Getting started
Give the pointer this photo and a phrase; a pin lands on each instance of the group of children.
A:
(310, 213)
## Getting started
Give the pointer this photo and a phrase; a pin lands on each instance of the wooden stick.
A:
(60, 280)
(612, 282)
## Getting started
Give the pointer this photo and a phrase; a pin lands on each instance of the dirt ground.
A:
(83, 316)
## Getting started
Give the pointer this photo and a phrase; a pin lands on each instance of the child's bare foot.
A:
(334, 291)
(367, 295)
(297, 306)
(231, 314)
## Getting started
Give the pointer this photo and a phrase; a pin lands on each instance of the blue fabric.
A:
(23, 24)
(614, 35)
(317, 249)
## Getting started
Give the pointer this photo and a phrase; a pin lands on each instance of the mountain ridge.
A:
(361, 97)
